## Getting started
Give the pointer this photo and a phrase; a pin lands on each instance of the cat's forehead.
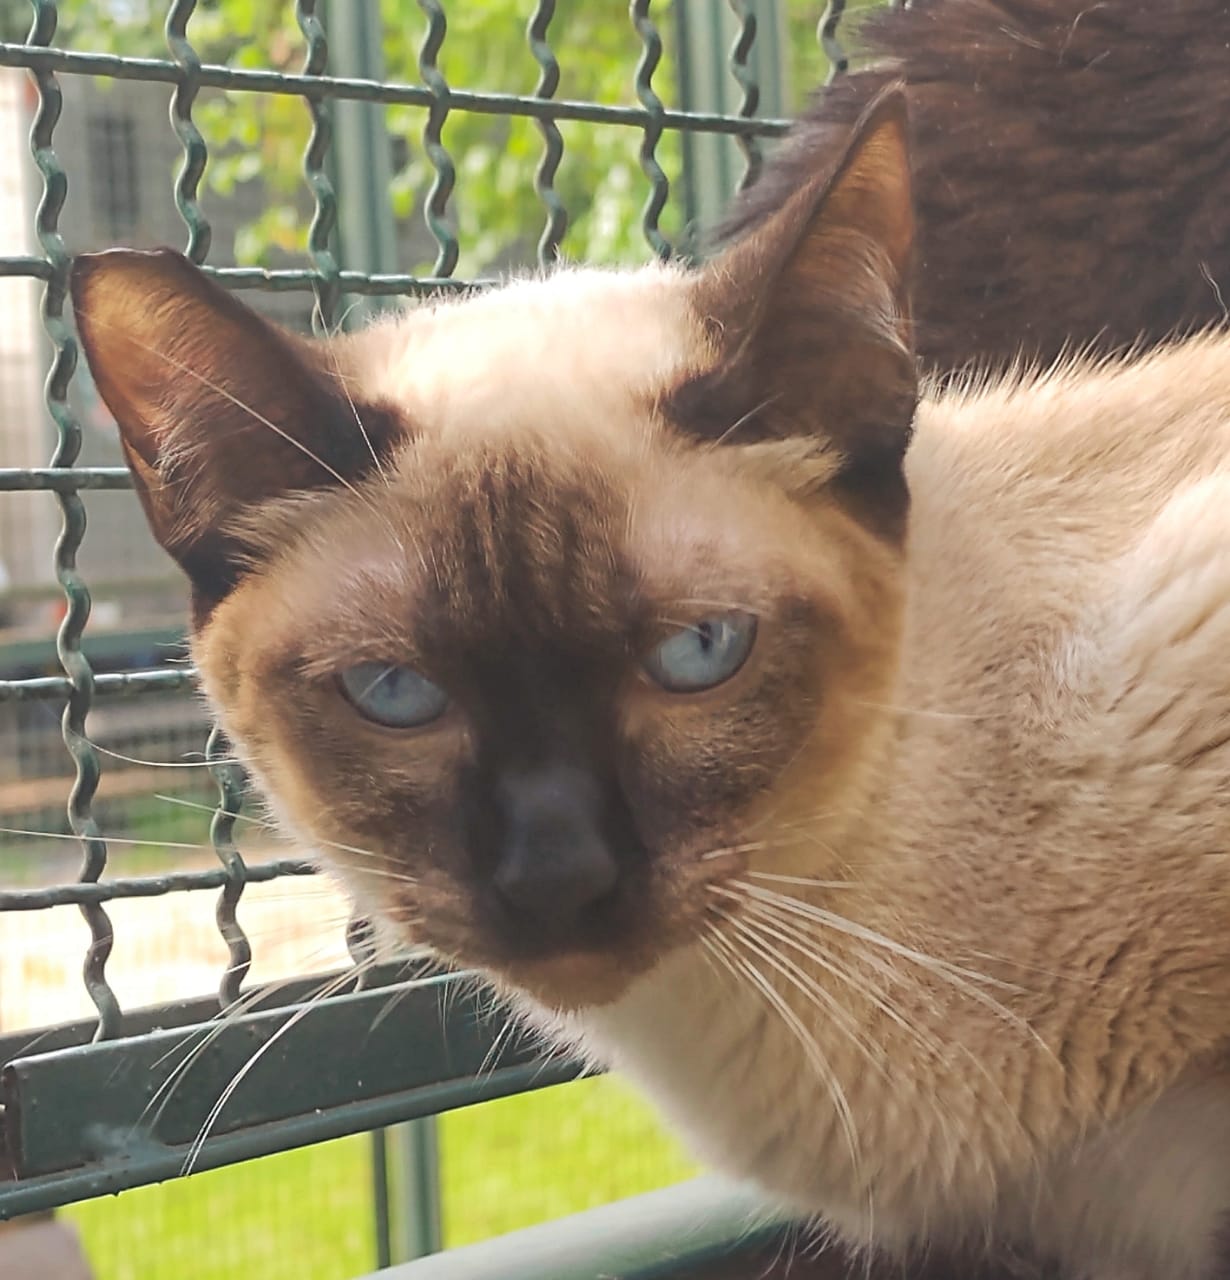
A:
(487, 544)
(582, 350)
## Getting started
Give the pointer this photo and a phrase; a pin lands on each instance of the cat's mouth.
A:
(574, 960)
(565, 962)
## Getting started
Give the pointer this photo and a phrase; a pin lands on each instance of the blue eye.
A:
(395, 697)
(704, 655)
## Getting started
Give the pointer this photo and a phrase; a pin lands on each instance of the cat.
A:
(842, 761)
(1072, 169)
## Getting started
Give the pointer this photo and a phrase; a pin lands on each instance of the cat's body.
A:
(1072, 168)
(1059, 753)
(845, 763)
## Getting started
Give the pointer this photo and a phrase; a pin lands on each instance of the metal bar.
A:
(288, 280)
(83, 894)
(706, 159)
(435, 208)
(655, 114)
(130, 1110)
(187, 86)
(360, 160)
(192, 1012)
(416, 1217)
(556, 223)
(647, 1237)
(122, 683)
(100, 646)
(830, 41)
(315, 161)
(63, 479)
(729, 62)
(142, 1166)
(111, 66)
(380, 1198)
(77, 669)
(758, 62)
(23, 265)
(236, 874)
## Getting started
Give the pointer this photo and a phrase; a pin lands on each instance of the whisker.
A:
(273, 827)
(165, 764)
(793, 935)
(228, 396)
(185, 803)
(962, 979)
(318, 314)
(491, 1058)
(60, 835)
(866, 934)
(424, 964)
(938, 1049)
(198, 1143)
(743, 418)
(811, 1050)
(730, 850)
(206, 1035)
(704, 602)
(801, 880)
(754, 931)
(388, 873)
(869, 959)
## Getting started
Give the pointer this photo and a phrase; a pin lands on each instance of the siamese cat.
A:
(841, 760)
(1072, 169)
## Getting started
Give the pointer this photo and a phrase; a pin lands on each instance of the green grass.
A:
(308, 1215)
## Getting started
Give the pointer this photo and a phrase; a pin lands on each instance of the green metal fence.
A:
(97, 1106)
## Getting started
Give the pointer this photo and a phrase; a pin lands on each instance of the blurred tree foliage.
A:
(494, 209)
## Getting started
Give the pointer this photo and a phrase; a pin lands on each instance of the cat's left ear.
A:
(807, 320)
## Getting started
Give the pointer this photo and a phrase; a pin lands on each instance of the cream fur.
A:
(486, 364)
(1050, 809)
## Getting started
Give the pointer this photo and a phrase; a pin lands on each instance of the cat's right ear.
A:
(807, 322)
(218, 409)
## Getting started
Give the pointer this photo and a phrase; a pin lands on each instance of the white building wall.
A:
(28, 522)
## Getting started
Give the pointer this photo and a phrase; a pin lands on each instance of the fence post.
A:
(405, 1161)
(360, 158)
(414, 1177)
(706, 34)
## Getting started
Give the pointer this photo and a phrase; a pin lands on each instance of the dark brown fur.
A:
(1072, 169)
(226, 364)
(535, 621)
(837, 315)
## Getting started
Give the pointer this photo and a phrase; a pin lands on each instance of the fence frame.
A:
(104, 1142)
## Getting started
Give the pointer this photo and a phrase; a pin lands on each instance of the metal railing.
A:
(94, 1107)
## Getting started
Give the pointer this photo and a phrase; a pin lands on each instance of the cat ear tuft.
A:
(807, 320)
(218, 409)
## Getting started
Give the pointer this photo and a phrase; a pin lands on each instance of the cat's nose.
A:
(555, 860)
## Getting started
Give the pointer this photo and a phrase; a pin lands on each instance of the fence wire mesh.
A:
(316, 273)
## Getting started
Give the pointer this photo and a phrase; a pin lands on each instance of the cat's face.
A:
(542, 611)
